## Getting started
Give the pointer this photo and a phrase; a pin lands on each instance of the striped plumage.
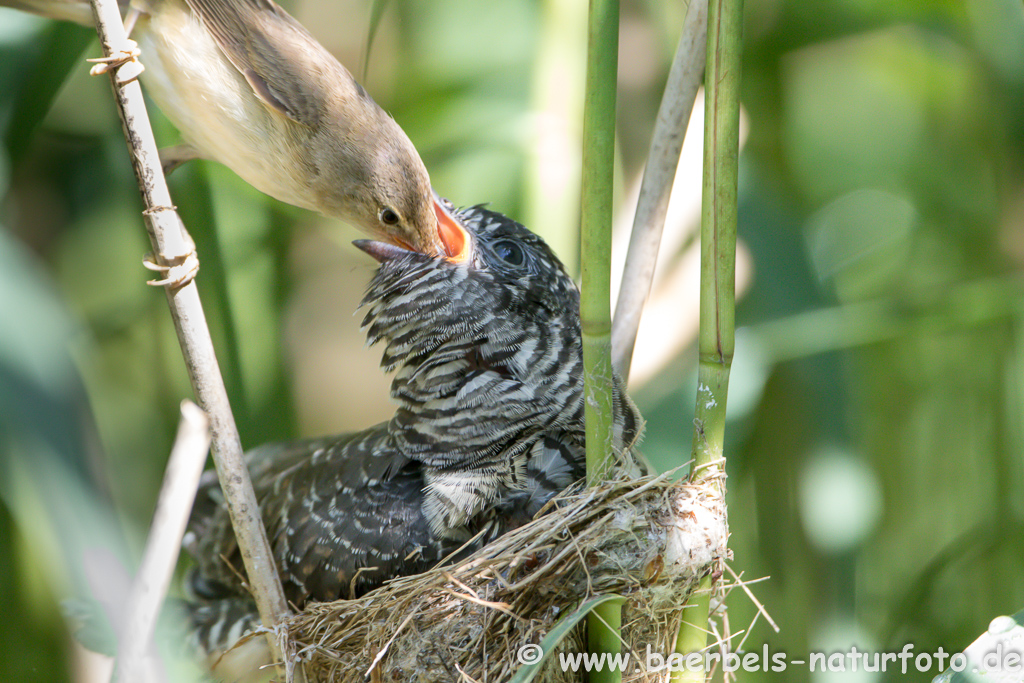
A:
(488, 378)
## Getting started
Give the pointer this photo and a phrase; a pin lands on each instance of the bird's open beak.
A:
(453, 236)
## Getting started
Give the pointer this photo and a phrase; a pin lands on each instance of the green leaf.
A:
(986, 660)
(377, 8)
(61, 51)
(560, 630)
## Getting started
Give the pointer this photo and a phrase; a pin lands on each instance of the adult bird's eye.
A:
(510, 252)
(388, 216)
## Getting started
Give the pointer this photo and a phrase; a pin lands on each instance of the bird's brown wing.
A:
(286, 67)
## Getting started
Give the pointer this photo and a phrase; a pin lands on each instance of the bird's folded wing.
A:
(331, 507)
(283, 63)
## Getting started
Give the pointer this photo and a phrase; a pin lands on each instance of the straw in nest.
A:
(648, 540)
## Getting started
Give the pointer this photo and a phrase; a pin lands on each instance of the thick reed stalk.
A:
(717, 279)
(596, 260)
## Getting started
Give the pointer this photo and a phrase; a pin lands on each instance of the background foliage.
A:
(876, 433)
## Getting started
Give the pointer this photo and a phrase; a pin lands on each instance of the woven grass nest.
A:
(649, 540)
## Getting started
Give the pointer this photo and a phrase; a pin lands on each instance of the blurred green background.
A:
(876, 443)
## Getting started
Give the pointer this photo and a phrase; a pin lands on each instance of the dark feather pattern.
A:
(488, 374)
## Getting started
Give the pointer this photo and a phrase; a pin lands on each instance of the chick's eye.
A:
(510, 252)
(388, 216)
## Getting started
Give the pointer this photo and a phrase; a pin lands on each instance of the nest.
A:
(649, 540)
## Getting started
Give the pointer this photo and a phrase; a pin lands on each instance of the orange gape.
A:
(453, 236)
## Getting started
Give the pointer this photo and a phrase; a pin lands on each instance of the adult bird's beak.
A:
(453, 236)
(381, 251)
(455, 240)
